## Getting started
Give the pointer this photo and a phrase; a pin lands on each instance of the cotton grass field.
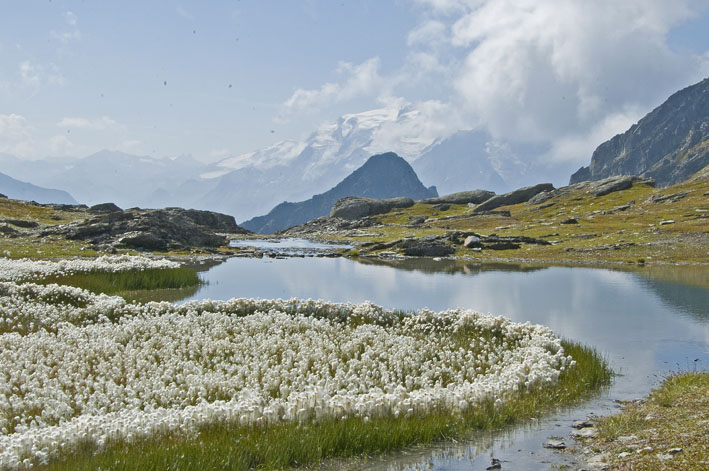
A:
(90, 380)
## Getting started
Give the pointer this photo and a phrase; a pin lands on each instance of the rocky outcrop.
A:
(670, 144)
(104, 208)
(521, 195)
(462, 197)
(382, 176)
(444, 245)
(152, 229)
(353, 207)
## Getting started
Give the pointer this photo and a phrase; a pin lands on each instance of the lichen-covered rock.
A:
(462, 197)
(354, 207)
(522, 195)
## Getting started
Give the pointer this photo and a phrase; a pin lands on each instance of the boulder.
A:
(104, 208)
(428, 246)
(619, 183)
(521, 195)
(152, 229)
(355, 207)
(22, 223)
(472, 241)
(462, 197)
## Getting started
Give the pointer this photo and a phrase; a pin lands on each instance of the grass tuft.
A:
(131, 280)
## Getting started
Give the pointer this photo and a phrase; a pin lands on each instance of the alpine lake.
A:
(647, 321)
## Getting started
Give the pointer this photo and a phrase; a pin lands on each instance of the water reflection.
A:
(645, 321)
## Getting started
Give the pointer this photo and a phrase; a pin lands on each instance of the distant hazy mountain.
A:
(20, 190)
(670, 144)
(460, 163)
(125, 179)
(381, 176)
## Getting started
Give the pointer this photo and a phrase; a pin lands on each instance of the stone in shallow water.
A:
(555, 444)
(588, 432)
(582, 424)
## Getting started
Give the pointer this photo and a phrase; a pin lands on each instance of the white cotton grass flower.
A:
(26, 269)
(94, 367)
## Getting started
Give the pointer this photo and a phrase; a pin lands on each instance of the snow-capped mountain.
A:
(251, 184)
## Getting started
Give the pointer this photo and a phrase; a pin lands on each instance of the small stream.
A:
(647, 321)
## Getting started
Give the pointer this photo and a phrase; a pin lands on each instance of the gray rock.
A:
(3, 196)
(555, 444)
(674, 451)
(581, 424)
(619, 183)
(521, 195)
(588, 432)
(666, 222)
(429, 246)
(442, 207)
(542, 197)
(462, 197)
(672, 198)
(354, 207)
(7, 230)
(104, 208)
(570, 221)
(22, 223)
(472, 241)
(152, 229)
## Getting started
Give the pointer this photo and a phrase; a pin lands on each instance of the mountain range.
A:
(381, 176)
(669, 144)
(252, 184)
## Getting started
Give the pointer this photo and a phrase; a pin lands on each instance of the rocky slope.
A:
(670, 144)
(20, 190)
(382, 176)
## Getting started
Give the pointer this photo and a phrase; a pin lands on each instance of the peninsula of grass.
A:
(229, 446)
(128, 281)
(667, 431)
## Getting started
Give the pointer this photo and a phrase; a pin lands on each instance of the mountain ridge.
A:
(381, 176)
(669, 144)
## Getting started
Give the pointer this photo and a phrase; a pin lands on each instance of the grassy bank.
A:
(128, 281)
(232, 447)
(668, 431)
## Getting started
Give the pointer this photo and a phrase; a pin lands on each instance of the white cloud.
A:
(30, 74)
(184, 13)
(70, 18)
(358, 80)
(98, 124)
(60, 145)
(544, 70)
(427, 33)
(15, 135)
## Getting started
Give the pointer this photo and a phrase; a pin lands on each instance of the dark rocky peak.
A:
(670, 144)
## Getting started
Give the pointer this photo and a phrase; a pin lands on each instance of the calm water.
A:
(646, 321)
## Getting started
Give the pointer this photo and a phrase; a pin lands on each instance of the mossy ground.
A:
(603, 233)
(675, 416)
(231, 447)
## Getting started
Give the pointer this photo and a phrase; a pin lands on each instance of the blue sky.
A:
(220, 78)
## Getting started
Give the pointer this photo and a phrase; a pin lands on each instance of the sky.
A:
(221, 78)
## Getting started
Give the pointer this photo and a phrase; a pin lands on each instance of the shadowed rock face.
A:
(670, 144)
(153, 229)
(382, 176)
